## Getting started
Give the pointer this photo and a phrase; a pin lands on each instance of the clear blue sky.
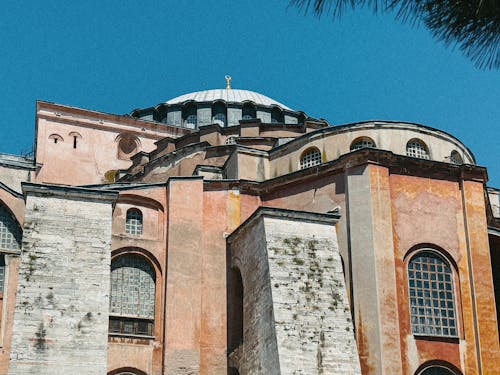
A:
(114, 56)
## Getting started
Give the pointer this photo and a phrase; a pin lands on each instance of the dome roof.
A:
(230, 95)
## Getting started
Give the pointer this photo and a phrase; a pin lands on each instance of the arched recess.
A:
(75, 138)
(438, 367)
(248, 111)
(433, 292)
(56, 138)
(219, 113)
(127, 145)
(235, 300)
(362, 142)
(139, 200)
(135, 295)
(127, 371)
(277, 116)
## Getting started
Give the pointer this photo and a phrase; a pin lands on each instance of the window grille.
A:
(2, 272)
(10, 233)
(191, 121)
(432, 303)
(132, 302)
(310, 158)
(417, 149)
(133, 223)
(230, 140)
(455, 158)
(362, 143)
(220, 118)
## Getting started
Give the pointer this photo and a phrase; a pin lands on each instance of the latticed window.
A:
(10, 232)
(2, 273)
(132, 303)
(133, 223)
(310, 158)
(417, 149)
(432, 302)
(230, 140)
(191, 121)
(220, 118)
(362, 143)
(455, 158)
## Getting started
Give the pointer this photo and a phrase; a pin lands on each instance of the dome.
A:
(229, 96)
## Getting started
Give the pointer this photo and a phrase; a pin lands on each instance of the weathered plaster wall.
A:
(61, 314)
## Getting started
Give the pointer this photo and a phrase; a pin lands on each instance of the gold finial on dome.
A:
(228, 80)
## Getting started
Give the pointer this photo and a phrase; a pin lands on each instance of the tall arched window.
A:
(133, 223)
(362, 142)
(189, 115)
(417, 149)
(277, 116)
(219, 114)
(432, 295)
(132, 302)
(10, 232)
(248, 111)
(310, 157)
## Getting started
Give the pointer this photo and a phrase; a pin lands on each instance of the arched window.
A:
(189, 115)
(10, 232)
(132, 302)
(127, 146)
(231, 140)
(219, 114)
(432, 299)
(362, 142)
(417, 149)
(56, 138)
(437, 370)
(277, 116)
(133, 223)
(310, 157)
(455, 158)
(248, 111)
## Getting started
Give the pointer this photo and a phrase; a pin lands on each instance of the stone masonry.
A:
(296, 318)
(61, 314)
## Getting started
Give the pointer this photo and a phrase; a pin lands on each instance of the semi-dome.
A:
(227, 95)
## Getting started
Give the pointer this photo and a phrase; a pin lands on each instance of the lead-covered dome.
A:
(225, 107)
(229, 96)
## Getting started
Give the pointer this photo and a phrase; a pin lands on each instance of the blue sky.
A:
(114, 56)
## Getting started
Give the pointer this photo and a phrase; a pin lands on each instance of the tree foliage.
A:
(471, 25)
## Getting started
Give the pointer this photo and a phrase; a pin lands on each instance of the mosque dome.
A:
(229, 96)
(225, 107)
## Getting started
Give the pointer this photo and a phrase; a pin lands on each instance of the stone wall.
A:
(61, 313)
(296, 317)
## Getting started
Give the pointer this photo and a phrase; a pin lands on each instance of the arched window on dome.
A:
(10, 231)
(362, 142)
(277, 116)
(310, 157)
(133, 222)
(437, 367)
(432, 295)
(189, 116)
(248, 112)
(417, 149)
(219, 113)
(132, 302)
(455, 158)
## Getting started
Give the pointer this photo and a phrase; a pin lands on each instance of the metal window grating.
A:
(310, 158)
(2, 272)
(432, 306)
(133, 223)
(220, 118)
(415, 148)
(10, 233)
(362, 143)
(132, 287)
(455, 158)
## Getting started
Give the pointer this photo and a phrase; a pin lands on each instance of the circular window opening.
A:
(127, 145)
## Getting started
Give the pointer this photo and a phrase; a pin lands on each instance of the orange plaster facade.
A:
(391, 206)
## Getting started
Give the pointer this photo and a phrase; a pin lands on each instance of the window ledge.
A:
(131, 336)
(450, 339)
